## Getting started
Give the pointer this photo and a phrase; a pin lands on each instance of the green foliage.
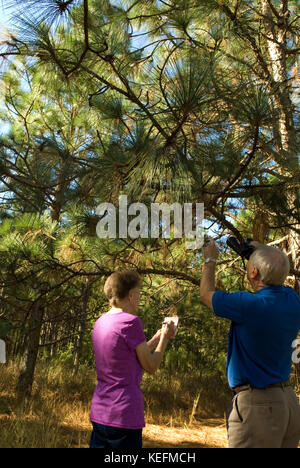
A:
(161, 101)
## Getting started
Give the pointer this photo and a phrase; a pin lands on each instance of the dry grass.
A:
(208, 434)
(57, 415)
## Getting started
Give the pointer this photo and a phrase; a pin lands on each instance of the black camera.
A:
(245, 250)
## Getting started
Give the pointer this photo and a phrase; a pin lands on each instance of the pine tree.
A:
(161, 101)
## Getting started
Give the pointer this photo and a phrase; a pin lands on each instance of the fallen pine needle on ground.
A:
(197, 436)
(57, 414)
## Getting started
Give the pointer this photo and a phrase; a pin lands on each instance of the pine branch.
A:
(243, 168)
(244, 34)
(274, 11)
(128, 94)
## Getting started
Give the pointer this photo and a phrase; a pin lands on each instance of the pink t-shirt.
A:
(118, 400)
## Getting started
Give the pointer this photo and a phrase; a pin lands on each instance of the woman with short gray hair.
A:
(122, 353)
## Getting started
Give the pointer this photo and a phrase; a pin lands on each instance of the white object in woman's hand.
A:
(169, 330)
(173, 320)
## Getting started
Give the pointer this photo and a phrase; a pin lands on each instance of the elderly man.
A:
(265, 411)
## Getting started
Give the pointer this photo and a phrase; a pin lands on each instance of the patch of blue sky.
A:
(138, 39)
(5, 128)
(4, 16)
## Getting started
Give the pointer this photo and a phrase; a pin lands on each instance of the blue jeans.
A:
(108, 437)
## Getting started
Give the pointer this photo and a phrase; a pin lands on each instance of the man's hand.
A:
(212, 250)
(207, 285)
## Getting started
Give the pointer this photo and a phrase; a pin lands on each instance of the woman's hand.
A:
(168, 330)
(154, 341)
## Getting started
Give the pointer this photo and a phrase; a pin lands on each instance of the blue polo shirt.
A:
(264, 326)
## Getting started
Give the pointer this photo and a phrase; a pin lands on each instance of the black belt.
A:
(243, 388)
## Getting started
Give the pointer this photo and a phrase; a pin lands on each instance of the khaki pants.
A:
(268, 418)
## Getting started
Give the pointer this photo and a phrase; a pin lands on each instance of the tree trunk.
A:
(277, 49)
(53, 339)
(61, 187)
(26, 377)
(86, 289)
(284, 130)
(294, 246)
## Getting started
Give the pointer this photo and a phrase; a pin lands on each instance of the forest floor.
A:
(57, 414)
(33, 431)
(210, 433)
(60, 427)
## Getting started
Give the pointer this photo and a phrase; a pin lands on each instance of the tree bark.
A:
(284, 130)
(294, 247)
(86, 289)
(277, 49)
(26, 377)
(61, 187)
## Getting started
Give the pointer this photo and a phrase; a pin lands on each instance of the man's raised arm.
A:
(207, 285)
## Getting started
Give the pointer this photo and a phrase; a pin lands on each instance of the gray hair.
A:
(273, 265)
